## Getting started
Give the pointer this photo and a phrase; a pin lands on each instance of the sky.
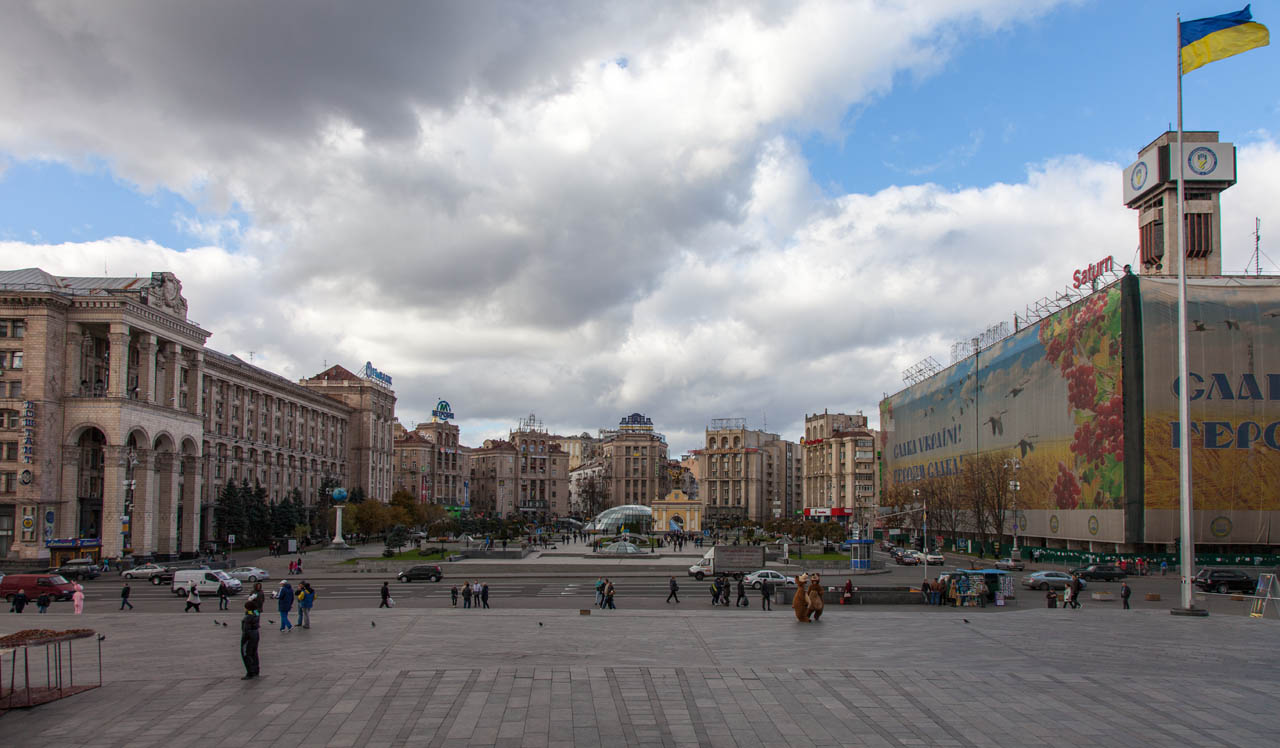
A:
(587, 209)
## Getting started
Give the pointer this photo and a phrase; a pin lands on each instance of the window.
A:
(10, 359)
(9, 419)
(9, 451)
(15, 390)
(12, 328)
(8, 482)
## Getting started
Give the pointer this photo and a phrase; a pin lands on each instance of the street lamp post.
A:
(924, 530)
(1014, 486)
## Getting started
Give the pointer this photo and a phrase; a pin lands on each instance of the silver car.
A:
(249, 574)
(1011, 564)
(144, 571)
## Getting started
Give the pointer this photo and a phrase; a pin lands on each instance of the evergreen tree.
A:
(257, 513)
(355, 495)
(229, 513)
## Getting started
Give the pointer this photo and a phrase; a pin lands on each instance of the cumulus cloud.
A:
(489, 203)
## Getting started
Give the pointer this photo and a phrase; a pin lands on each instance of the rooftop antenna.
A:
(1257, 247)
(250, 356)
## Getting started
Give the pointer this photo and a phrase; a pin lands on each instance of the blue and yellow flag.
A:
(1209, 39)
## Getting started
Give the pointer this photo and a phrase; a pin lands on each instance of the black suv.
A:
(1224, 580)
(429, 572)
(80, 569)
(1100, 573)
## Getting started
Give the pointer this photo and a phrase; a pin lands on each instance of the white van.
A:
(204, 580)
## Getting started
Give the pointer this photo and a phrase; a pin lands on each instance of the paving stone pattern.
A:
(695, 678)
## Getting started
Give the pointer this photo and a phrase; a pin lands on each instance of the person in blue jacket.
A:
(285, 604)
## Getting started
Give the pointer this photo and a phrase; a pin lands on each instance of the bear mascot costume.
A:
(800, 603)
(815, 598)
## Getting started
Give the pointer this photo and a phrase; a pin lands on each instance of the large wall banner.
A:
(1234, 385)
(1049, 395)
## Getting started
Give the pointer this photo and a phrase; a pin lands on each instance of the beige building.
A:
(543, 471)
(118, 427)
(635, 462)
(747, 474)
(445, 472)
(677, 512)
(493, 478)
(412, 456)
(841, 469)
(373, 409)
(581, 449)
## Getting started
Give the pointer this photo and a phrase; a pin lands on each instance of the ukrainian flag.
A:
(1209, 39)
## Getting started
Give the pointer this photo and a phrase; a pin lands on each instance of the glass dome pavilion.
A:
(632, 517)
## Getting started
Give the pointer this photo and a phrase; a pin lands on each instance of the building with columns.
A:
(747, 474)
(841, 468)
(128, 425)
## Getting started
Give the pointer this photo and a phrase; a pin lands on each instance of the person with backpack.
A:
(674, 589)
(306, 600)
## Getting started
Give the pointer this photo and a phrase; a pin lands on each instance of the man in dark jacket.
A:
(285, 605)
(674, 589)
(224, 596)
(386, 596)
(249, 641)
(742, 595)
(124, 597)
(1075, 590)
(766, 595)
(19, 602)
(1125, 593)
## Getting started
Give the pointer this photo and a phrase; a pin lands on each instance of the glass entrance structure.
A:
(630, 517)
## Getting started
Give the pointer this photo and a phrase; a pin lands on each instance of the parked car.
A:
(1043, 580)
(144, 571)
(34, 585)
(78, 569)
(1100, 573)
(757, 578)
(249, 574)
(1224, 580)
(1011, 564)
(933, 558)
(429, 572)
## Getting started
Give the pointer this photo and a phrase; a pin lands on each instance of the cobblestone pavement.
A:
(732, 678)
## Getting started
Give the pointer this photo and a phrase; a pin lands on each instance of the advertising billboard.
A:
(1234, 387)
(1049, 395)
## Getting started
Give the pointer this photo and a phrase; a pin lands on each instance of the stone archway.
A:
(90, 483)
(139, 497)
(164, 474)
(188, 501)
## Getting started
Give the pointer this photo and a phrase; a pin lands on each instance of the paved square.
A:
(696, 677)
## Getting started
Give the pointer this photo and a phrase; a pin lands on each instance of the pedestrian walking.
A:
(484, 595)
(249, 641)
(77, 600)
(466, 594)
(1076, 586)
(42, 603)
(193, 599)
(599, 592)
(609, 592)
(284, 604)
(766, 595)
(224, 596)
(298, 566)
(124, 597)
(741, 602)
(674, 589)
(1164, 567)
(1125, 593)
(19, 602)
(453, 595)
(306, 600)
(386, 596)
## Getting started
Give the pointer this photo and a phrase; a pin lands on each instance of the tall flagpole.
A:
(1184, 402)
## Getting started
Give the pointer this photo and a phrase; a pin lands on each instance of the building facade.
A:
(840, 468)
(373, 409)
(493, 478)
(635, 462)
(746, 474)
(444, 474)
(118, 427)
(542, 491)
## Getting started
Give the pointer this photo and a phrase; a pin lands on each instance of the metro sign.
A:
(1090, 274)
